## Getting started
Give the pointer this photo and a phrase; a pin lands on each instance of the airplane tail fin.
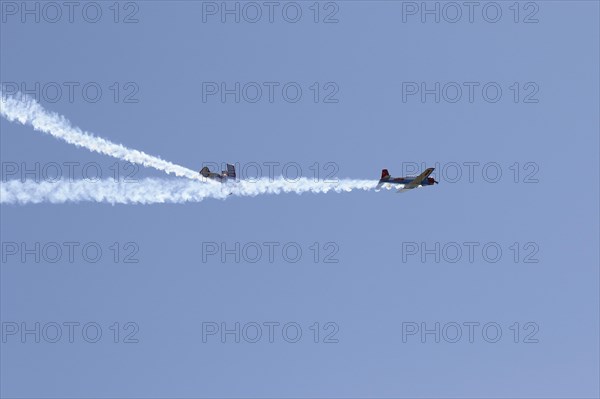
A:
(384, 174)
(231, 171)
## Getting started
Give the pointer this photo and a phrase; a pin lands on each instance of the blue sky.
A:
(376, 290)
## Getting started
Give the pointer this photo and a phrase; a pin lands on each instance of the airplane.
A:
(222, 177)
(409, 182)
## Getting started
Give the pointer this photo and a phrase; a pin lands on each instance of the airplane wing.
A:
(417, 180)
(205, 172)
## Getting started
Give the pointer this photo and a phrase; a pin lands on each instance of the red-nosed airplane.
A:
(408, 183)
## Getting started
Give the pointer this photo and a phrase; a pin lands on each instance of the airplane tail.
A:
(231, 171)
(385, 175)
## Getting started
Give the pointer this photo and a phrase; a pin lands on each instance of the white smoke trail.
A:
(152, 191)
(27, 111)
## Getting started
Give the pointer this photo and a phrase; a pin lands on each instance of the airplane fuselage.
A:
(406, 180)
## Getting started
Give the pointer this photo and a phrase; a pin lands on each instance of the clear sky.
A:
(371, 68)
